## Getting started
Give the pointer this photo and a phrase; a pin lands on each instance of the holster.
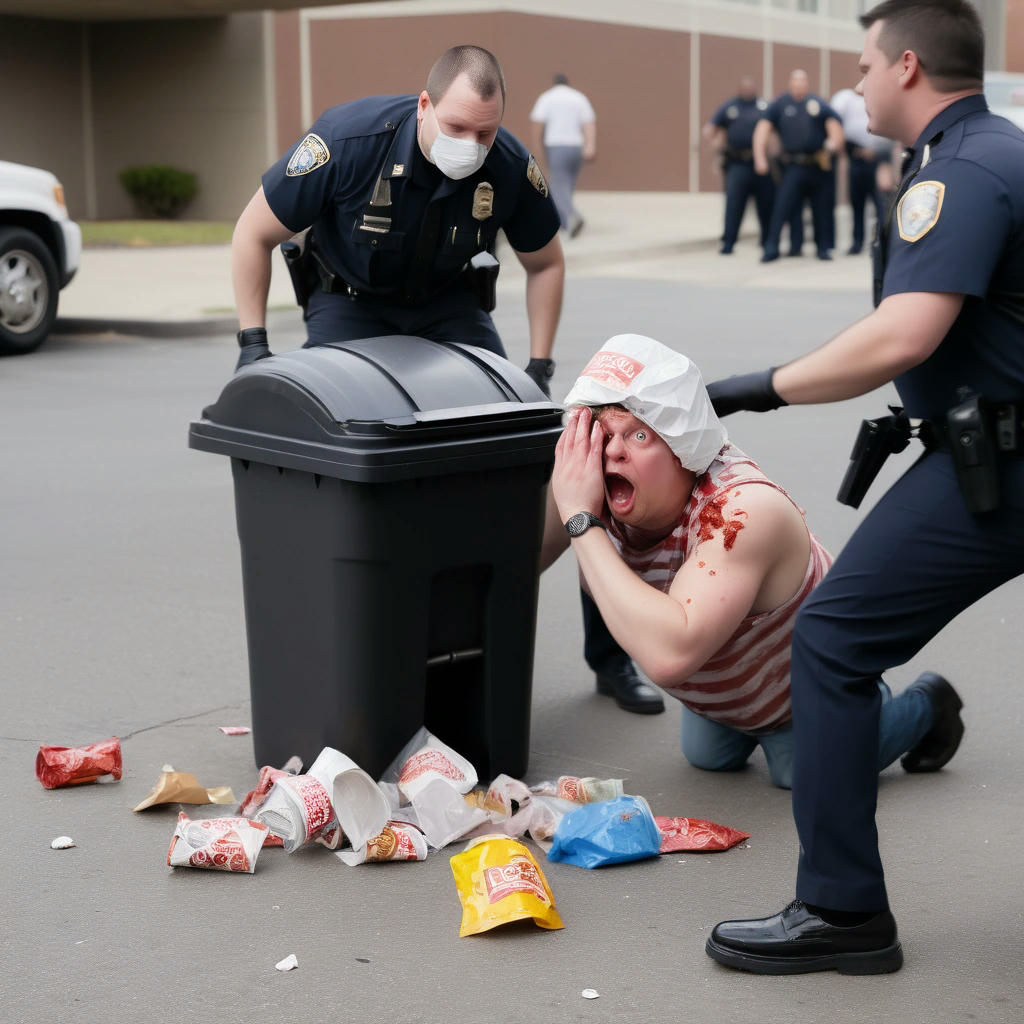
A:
(482, 275)
(301, 269)
(876, 440)
(973, 445)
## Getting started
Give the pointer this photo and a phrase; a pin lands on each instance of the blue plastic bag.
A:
(608, 832)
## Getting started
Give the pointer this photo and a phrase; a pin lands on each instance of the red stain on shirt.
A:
(710, 518)
(700, 565)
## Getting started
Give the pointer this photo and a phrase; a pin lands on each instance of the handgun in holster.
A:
(876, 440)
(482, 273)
(301, 269)
(974, 452)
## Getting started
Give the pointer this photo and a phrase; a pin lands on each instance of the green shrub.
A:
(159, 191)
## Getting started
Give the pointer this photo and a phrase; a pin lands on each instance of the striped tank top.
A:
(745, 684)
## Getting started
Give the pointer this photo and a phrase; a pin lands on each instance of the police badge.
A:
(483, 201)
(918, 210)
(311, 153)
(813, 107)
(535, 177)
(733, 112)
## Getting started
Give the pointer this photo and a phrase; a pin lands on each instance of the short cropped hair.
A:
(946, 35)
(480, 65)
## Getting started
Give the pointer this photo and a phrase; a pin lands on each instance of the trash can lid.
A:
(378, 409)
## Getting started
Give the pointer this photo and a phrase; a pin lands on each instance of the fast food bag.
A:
(498, 882)
(217, 844)
(587, 790)
(424, 758)
(443, 813)
(697, 836)
(73, 766)
(398, 840)
(609, 832)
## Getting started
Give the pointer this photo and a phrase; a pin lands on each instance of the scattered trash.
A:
(398, 840)
(74, 766)
(499, 882)
(362, 959)
(590, 993)
(608, 832)
(425, 758)
(580, 791)
(235, 730)
(219, 844)
(62, 843)
(289, 963)
(183, 788)
(694, 834)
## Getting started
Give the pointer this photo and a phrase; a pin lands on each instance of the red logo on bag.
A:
(519, 875)
(613, 370)
(429, 760)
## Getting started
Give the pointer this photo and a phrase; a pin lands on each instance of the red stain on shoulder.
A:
(700, 565)
(711, 518)
(711, 572)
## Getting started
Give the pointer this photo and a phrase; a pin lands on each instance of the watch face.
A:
(580, 523)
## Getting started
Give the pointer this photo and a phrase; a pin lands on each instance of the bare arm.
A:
(901, 333)
(589, 140)
(254, 238)
(545, 277)
(835, 139)
(762, 135)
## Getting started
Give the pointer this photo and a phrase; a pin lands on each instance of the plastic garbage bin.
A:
(389, 495)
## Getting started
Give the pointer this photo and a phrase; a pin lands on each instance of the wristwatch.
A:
(578, 524)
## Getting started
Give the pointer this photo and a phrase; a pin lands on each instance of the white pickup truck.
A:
(40, 247)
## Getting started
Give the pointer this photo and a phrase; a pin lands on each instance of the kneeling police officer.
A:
(403, 196)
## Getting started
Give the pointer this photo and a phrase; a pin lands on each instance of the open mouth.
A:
(620, 493)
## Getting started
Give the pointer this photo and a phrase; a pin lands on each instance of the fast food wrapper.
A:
(73, 766)
(696, 836)
(398, 840)
(443, 814)
(499, 882)
(183, 788)
(587, 790)
(217, 844)
(608, 832)
(425, 758)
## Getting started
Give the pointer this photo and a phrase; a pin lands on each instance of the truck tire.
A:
(29, 289)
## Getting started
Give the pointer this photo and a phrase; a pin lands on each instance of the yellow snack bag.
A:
(499, 882)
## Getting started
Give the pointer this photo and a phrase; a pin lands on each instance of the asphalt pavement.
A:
(121, 614)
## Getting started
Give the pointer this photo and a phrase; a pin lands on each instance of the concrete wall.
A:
(1015, 35)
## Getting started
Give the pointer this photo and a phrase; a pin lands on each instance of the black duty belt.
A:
(739, 155)
(1004, 420)
(803, 159)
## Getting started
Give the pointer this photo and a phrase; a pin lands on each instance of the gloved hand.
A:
(751, 391)
(253, 343)
(540, 371)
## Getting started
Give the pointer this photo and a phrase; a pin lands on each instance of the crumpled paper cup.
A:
(425, 758)
(74, 766)
(217, 844)
(398, 840)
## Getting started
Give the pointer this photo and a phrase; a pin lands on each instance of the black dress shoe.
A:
(769, 257)
(940, 742)
(854, 250)
(631, 693)
(797, 941)
(824, 255)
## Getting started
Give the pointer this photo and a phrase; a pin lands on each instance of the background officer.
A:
(401, 193)
(949, 330)
(866, 154)
(731, 130)
(810, 133)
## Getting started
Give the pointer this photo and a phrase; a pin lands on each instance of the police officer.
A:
(866, 153)
(810, 134)
(731, 130)
(948, 329)
(404, 196)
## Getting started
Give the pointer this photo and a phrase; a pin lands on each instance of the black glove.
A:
(540, 371)
(253, 343)
(751, 391)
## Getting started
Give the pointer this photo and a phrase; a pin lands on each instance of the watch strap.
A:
(578, 524)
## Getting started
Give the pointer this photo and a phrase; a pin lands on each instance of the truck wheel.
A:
(28, 291)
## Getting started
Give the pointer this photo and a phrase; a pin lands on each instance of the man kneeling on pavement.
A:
(698, 563)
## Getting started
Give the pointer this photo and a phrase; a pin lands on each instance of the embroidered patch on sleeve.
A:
(918, 211)
(536, 177)
(311, 153)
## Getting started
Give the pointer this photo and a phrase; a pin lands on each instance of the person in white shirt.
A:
(564, 128)
(870, 156)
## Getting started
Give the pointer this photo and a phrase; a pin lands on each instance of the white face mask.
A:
(457, 158)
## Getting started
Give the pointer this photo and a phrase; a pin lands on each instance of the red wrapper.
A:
(696, 836)
(73, 766)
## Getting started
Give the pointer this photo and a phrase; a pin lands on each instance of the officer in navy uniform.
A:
(731, 130)
(810, 132)
(404, 196)
(948, 329)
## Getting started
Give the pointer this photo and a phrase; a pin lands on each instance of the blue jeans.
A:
(720, 748)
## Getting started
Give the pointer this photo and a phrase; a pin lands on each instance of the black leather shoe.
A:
(769, 257)
(797, 941)
(631, 693)
(854, 250)
(940, 742)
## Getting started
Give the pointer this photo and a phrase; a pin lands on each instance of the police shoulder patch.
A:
(535, 177)
(311, 153)
(919, 208)
(813, 107)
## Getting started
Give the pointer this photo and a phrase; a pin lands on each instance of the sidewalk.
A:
(173, 291)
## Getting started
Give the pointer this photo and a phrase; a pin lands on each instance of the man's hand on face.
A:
(577, 481)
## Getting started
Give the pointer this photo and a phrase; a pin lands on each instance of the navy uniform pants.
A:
(454, 315)
(863, 188)
(918, 559)
(741, 182)
(800, 182)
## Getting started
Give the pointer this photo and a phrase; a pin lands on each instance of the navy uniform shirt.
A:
(739, 117)
(328, 178)
(800, 124)
(958, 227)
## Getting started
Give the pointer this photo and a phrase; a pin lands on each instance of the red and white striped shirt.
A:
(745, 683)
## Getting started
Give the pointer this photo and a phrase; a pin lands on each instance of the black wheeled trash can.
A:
(390, 503)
